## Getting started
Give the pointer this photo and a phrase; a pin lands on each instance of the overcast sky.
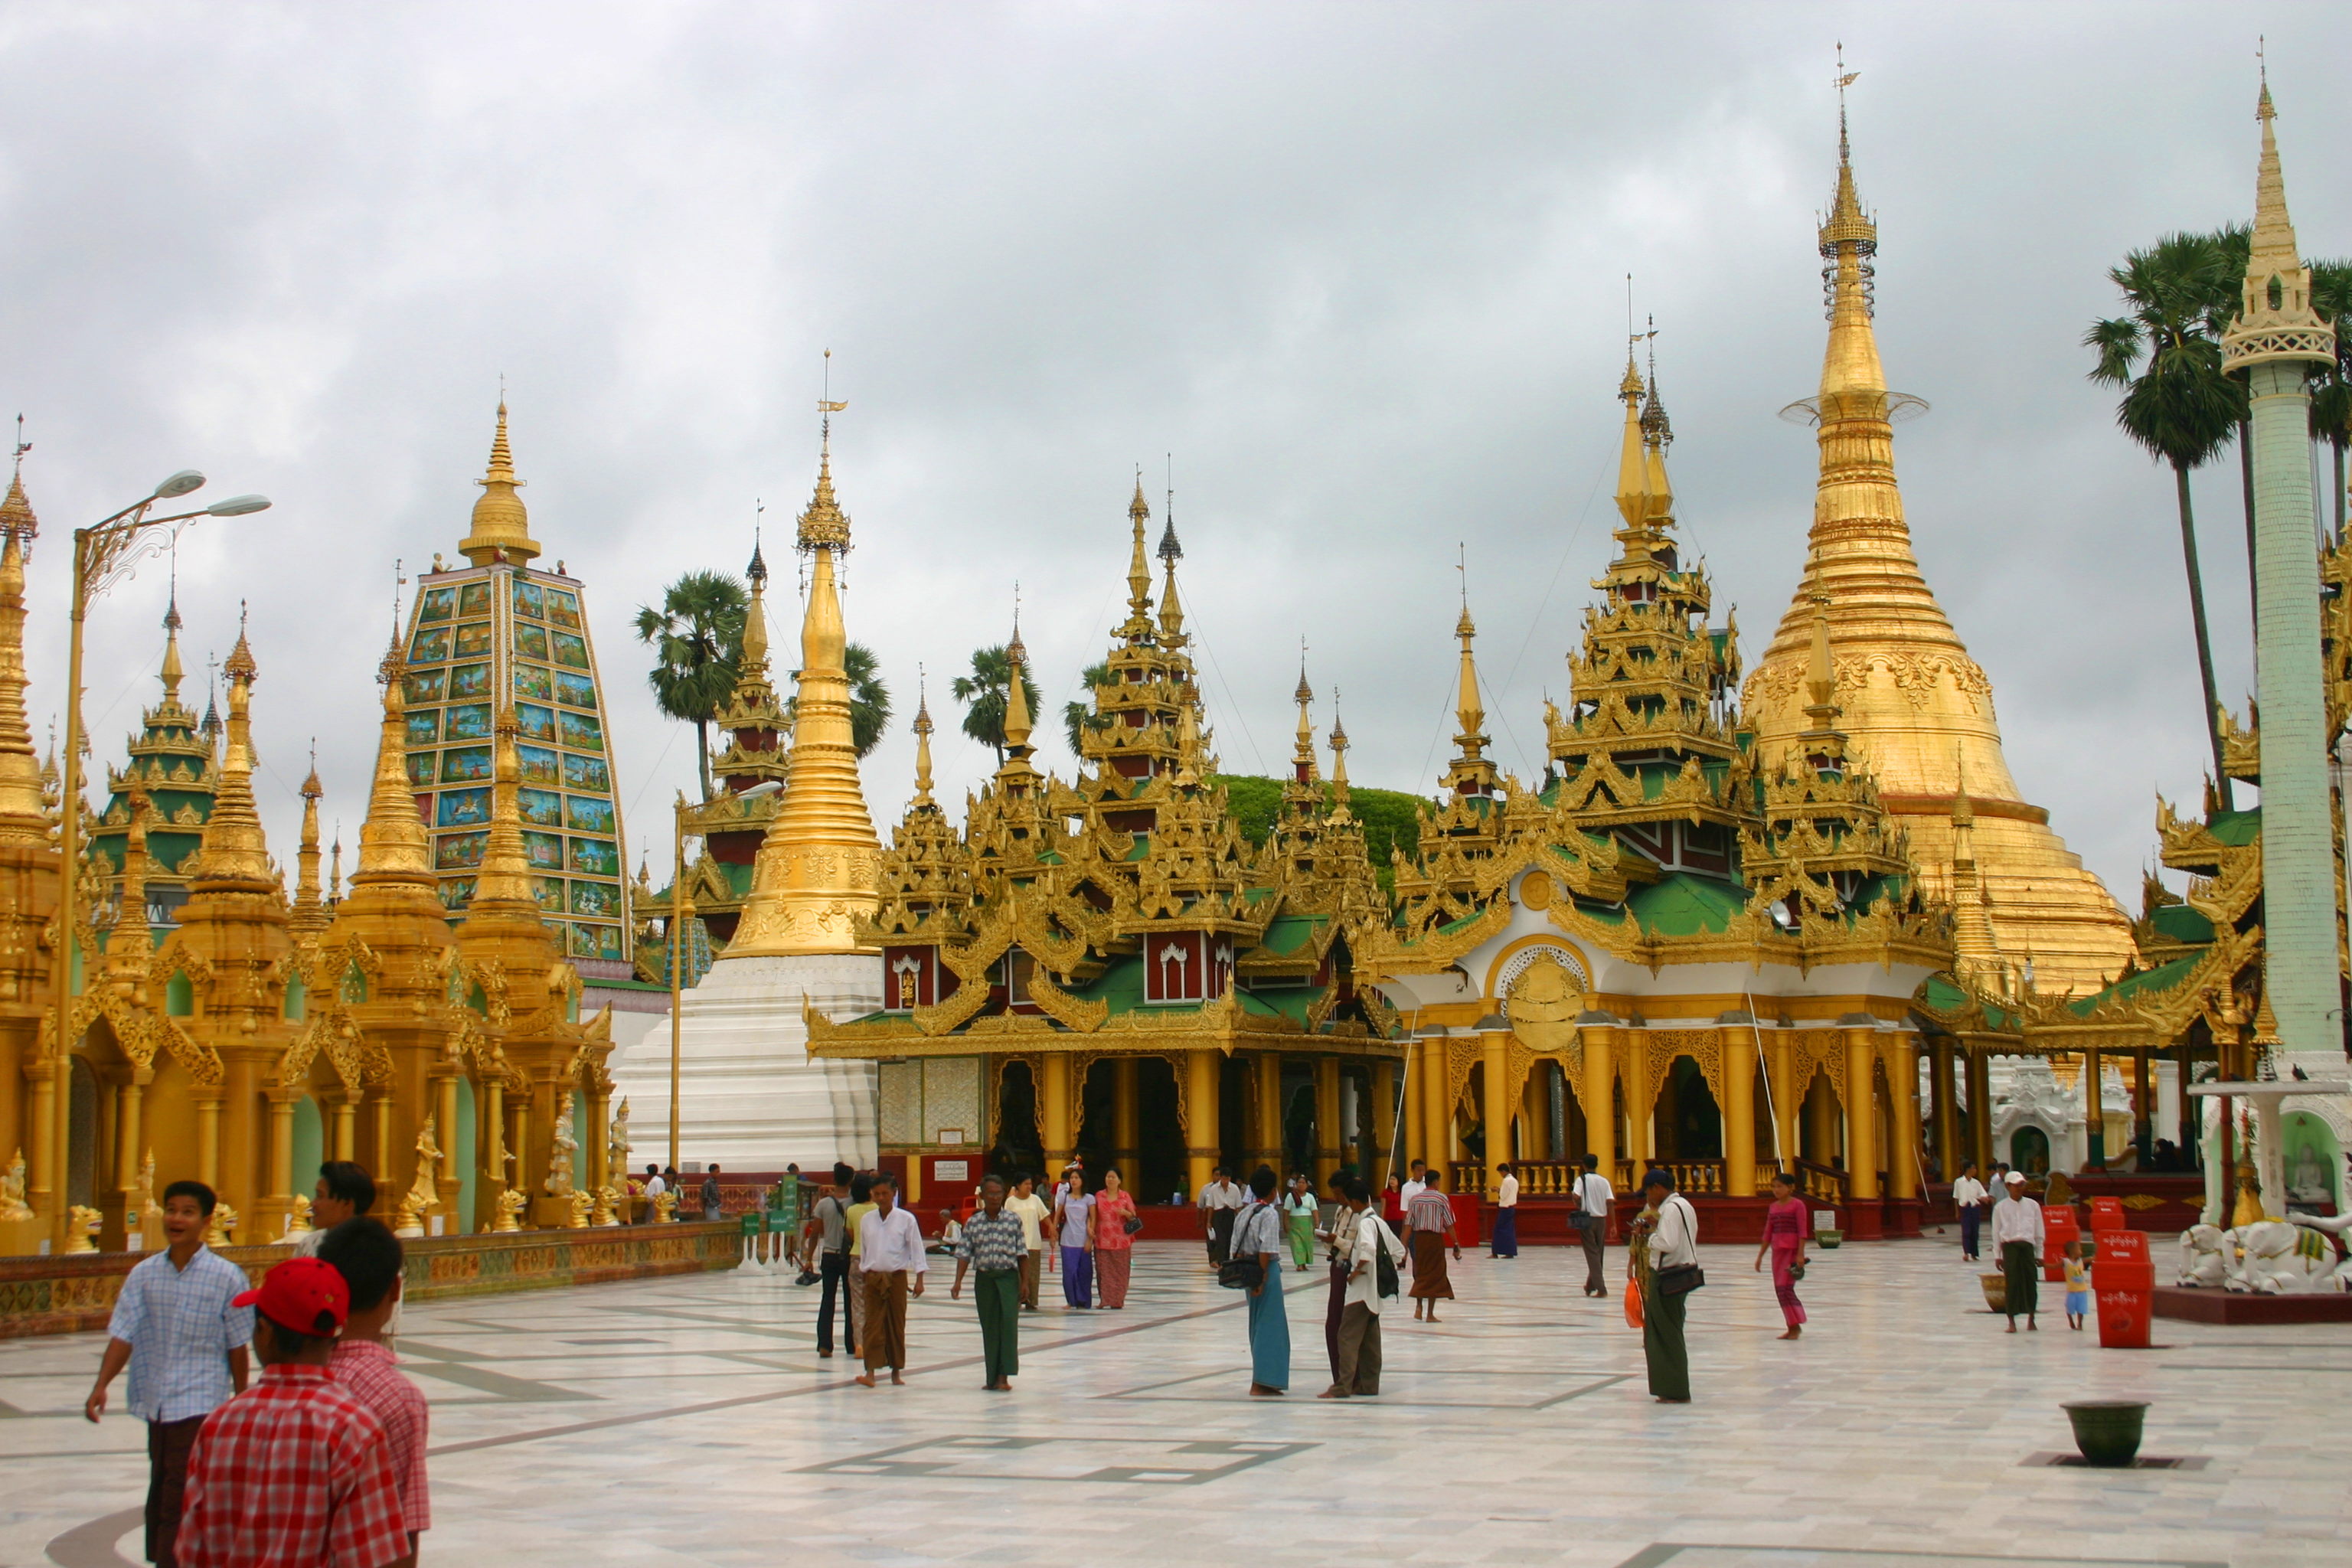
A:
(1361, 269)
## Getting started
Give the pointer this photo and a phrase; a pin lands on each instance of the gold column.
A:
(1820, 1106)
(1127, 1140)
(526, 1178)
(384, 1149)
(450, 1181)
(494, 1158)
(242, 1139)
(1327, 1120)
(1861, 1114)
(2095, 1111)
(1787, 1100)
(1201, 1086)
(1436, 1105)
(1268, 1119)
(1903, 1083)
(1377, 1123)
(1054, 1113)
(1494, 1105)
(1980, 1075)
(1413, 1130)
(1600, 1090)
(1738, 1114)
(1948, 1120)
(600, 1147)
(129, 1150)
(278, 1201)
(208, 1122)
(347, 1105)
(1640, 1101)
(44, 1180)
(2143, 1103)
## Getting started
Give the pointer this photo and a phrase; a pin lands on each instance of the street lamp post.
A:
(680, 907)
(104, 554)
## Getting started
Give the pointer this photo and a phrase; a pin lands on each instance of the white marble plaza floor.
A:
(689, 1422)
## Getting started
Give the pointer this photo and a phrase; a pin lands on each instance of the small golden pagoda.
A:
(1919, 710)
(176, 765)
(29, 895)
(1108, 965)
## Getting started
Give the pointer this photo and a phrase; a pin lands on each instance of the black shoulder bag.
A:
(1243, 1272)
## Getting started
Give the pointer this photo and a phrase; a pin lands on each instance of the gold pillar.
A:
(347, 1106)
(1414, 1126)
(1738, 1114)
(450, 1181)
(600, 1144)
(1267, 1104)
(2095, 1111)
(242, 1139)
(1127, 1140)
(208, 1125)
(44, 1174)
(1436, 1105)
(1787, 1100)
(1640, 1101)
(1948, 1120)
(1820, 1108)
(1980, 1074)
(1201, 1089)
(1600, 1098)
(1861, 1114)
(278, 1201)
(1054, 1113)
(1903, 1083)
(1327, 1120)
(2143, 1103)
(129, 1148)
(1494, 1103)
(525, 1178)
(384, 1149)
(494, 1153)
(1377, 1123)
(1535, 1111)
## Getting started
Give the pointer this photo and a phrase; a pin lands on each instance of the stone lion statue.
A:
(81, 1228)
(510, 1206)
(582, 1203)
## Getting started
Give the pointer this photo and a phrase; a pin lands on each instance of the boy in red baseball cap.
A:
(293, 1471)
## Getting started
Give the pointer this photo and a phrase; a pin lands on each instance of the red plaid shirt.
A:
(291, 1472)
(370, 1369)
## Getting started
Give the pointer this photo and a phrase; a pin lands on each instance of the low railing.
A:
(1821, 1182)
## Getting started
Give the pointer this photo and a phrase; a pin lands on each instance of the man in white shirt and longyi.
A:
(890, 1245)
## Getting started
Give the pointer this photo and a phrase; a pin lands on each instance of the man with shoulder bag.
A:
(1672, 1274)
(827, 1234)
(1593, 1200)
(1373, 1251)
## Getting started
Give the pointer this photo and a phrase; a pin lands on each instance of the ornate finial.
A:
(311, 788)
(825, 526)
(1137, 626)
(2276, 321)
(16, 518)
(1848, 231)
(1170, 551)
(1845, 79)
(240, 664)
(501, 524)
(1017, 723)
(922, 738)
(1821, 672)
(758, 570)
(1656, 427)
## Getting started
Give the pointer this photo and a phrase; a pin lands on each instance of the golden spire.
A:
(1972, 933)
(1632, 465)
(1172, 614)
(1470, 772)
(335, 869)
(172, 672)
(1017, 723)
(1821, 670)
(752, 705)
(1339, 762)
(309, 906)
(22, 820)
(1303, 755)
(922, 747)
(505, 874)
(2275, 319)
(1912, 703)
(501, 524)
(394, 847)
(1657, 435)
(234, 856)
(1137, 625)
(815, 875)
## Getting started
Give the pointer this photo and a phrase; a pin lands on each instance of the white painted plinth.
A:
(751, 1098)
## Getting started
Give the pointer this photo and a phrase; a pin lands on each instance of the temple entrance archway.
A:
(2029, 1150)
(81, 1150)
(1689, 1122)
(1019, 1148)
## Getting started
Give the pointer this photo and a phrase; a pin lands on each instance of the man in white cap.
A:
(2017, 1237)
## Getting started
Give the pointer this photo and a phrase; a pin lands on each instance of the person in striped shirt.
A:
(368, 1256)
(1429, 1231)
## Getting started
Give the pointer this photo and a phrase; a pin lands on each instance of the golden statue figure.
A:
(607, 1207)
(144, 1203)
(581, 1203)
(422, 1193)
(664, 1203)
(221, 1230)
(559, 1161)
(297, 1218)
(616, 1142)
(511, 1204)
(12, 1191)
(81, 1228)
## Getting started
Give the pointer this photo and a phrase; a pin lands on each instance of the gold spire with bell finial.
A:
(922, 745)
(22, 819)
(234, 856)
(1338, 761)
(394, 848)
(1171, 612)
(1136, 628)
(1470, 773)
(1914, 707)
(501, 524)
(132, 941)
(310, 904)
(505, 874)
(815, 875)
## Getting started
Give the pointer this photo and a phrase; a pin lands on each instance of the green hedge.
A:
(1390, 817)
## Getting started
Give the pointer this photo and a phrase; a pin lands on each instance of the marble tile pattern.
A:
(688, 1422)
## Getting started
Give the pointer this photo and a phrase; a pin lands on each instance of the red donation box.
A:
(2059, 1226)
(2123, 1281)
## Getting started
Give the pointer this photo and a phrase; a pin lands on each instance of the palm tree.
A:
(2331, 389)
(870, 696)
(2232, 244)
(2166, 356)
(983, 694)
(697, 637)
(1078, 718)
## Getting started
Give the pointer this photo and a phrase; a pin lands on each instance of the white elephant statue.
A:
(2205, 1257)
(2334, 1229)
(2280, 1259)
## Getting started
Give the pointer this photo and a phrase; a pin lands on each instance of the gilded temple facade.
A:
(1919, 710)
(1674, 951)
(1106, 966)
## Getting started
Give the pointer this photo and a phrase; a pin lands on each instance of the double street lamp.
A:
(104, 554)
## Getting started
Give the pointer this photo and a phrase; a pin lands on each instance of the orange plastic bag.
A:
(1633, 1304)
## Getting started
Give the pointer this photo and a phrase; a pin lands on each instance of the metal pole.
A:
(677, 967)
(69, 842)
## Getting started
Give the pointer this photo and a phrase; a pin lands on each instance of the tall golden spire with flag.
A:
(1917, 709)
(22, 820)
(815, 877)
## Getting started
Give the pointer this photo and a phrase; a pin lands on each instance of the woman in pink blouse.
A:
(1784, 1238)
(1114, 1248)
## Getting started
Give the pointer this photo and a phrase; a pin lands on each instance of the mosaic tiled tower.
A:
(499, 630)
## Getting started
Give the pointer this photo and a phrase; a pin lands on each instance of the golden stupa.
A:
(1917, 708)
